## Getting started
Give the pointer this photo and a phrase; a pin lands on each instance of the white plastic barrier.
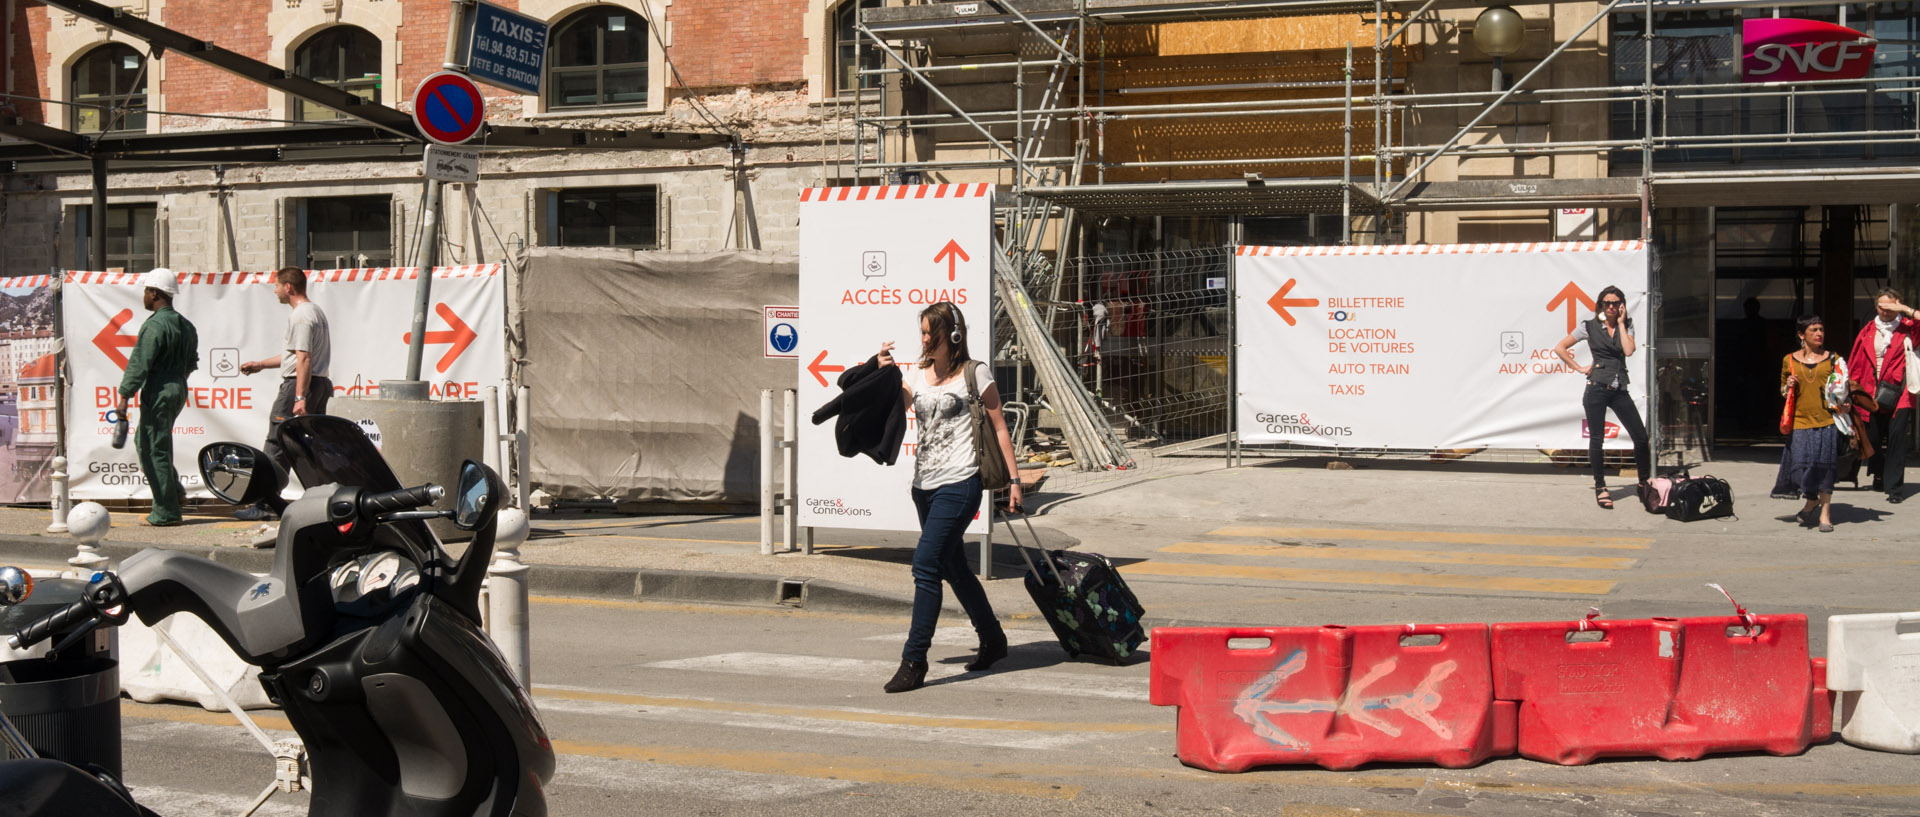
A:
(150, 672)
(1875, 668)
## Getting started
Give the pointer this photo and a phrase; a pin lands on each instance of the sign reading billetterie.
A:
(1431, 346)
(870, 259)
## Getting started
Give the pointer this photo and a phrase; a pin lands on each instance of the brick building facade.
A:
(759, 68)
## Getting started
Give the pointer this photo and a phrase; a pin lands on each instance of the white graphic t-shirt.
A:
(944, 454)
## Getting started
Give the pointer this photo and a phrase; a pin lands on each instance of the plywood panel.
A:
(1270, 34)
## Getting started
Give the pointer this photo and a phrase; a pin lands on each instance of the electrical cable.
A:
(693, 99)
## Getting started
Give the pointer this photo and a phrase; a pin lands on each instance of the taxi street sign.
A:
(506, 48)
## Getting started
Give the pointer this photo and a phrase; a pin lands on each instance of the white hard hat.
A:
(162, 279)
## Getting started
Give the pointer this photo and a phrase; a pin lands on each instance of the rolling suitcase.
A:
(1083, 599)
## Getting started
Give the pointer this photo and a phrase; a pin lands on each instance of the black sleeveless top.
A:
(1609, 357)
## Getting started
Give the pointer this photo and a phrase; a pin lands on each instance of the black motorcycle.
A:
(366, 630)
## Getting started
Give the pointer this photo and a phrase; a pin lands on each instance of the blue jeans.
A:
(944, 514)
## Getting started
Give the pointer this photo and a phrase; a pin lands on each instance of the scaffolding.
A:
(1038, 95)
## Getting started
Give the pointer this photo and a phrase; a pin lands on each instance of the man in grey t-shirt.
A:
(304, 386)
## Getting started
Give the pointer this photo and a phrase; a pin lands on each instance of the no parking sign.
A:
(447, 108)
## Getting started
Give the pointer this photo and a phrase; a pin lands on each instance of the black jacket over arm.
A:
(872, 411)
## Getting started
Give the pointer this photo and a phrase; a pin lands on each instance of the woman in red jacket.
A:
(1879, 363)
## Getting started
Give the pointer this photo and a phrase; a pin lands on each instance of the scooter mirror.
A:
(239, 474)
(477, 496)
(15, 585)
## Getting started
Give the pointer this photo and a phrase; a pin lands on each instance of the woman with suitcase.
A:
(1609, 336)
(1816, 433)
(946, 487)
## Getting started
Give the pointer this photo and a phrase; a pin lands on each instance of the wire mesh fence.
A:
(1150, 336)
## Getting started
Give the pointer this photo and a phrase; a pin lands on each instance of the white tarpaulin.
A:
(870, 259)
(369, 313)
(1430, 346)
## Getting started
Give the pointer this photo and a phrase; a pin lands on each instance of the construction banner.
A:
(871, 258)
(1430, 346)
(29, 410)
(369, 314)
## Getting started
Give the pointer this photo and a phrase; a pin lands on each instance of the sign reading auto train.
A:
(1787, 49)
(1429, 346)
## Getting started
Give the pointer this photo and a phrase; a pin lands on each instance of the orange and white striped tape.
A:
(313, 276)
(897, 192)
(1445, 249)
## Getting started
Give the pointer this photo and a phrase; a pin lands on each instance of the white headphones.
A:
(959, 325)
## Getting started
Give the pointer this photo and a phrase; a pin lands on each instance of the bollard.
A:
(58, 501)
(507, 618)
(766, 472)
(88, 524)
(791, 466)
(490, 417)
(523, 446)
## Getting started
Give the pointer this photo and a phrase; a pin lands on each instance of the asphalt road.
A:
(665, 709)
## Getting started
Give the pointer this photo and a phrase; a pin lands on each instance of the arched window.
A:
(598, 57)
(110, 89)
(849, 54)
(345, 57)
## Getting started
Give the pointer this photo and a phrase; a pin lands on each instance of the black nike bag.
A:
(1084, 600)
(1696, 498)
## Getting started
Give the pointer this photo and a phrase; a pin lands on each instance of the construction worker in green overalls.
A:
(167, 350)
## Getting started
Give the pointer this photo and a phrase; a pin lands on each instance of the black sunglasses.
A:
(1612, 303)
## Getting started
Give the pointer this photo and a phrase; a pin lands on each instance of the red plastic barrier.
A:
(1670, 688)
(1336, 697)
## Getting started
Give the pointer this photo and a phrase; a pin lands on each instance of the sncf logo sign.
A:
(1785, 49)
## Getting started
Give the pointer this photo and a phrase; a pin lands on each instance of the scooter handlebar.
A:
(56, 621)
(404, 499)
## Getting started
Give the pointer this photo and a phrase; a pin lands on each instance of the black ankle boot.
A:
(911, 675)
(991, 650)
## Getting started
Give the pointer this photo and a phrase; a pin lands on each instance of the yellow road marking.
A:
(186, 714)
(934, 774)
(961, 775)
(994, 724)
(1390, 555)
(1457, 581)
(1442, 537)
(969, 777)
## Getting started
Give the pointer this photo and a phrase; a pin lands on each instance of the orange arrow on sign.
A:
(111, 341)
(949, 253)
(1574, 298)
(816, 367)
(460, 335)
(1280, 301)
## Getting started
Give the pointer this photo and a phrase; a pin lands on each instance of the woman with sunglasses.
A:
(1609, 336)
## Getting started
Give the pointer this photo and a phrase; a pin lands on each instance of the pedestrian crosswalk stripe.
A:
(1456, 581)
(561, 698)
(1438, 557)
(1439, 537)
(874, 673)
(965, 773)
(820, 728)
(965, 637)
(615, 774)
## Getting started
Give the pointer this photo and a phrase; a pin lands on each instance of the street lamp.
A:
(1497, 33)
